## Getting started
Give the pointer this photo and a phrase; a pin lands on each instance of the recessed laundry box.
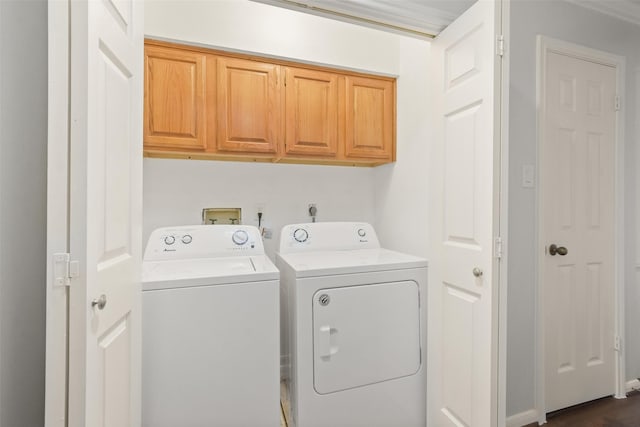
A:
(355, 330)
(210, 335)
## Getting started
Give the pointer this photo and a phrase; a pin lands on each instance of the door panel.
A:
(577, 205)
(105, 212)
(311, 112)
(365, 334)
(370, 118)
(174, 98)
(248, 106)
(463, 309)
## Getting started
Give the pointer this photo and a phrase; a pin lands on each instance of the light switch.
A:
(528, 176)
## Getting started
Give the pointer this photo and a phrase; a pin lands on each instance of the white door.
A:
(105, 177)
(577, 191)
(465, 167)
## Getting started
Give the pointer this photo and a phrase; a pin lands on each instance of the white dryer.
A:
(210, 334)
(355, 329)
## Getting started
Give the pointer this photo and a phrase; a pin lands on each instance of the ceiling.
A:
(426, 18)
(419, 18)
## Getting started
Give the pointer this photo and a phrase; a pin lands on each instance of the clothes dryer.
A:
(355, 328)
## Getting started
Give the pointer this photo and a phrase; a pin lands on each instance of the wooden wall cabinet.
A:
(174, 98)
(311, 112)
(201, 103)
(248, 104)
(369, 128)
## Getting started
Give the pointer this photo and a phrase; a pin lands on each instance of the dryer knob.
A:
(169, 240)
(361, 232)
(240, 237)
(301, 235)
(186, 239)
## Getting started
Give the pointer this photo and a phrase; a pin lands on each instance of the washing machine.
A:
(210, 334)
(354, 328)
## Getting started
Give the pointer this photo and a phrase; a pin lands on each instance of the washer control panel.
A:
(321, 236)
(203, 241)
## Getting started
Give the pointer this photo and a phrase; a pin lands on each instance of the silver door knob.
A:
(477, 272)
(555, 249)
(100, 302)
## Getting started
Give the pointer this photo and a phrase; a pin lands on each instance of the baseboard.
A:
(523, 418)
(632, 385)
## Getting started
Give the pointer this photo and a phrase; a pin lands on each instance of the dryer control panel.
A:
(203, 241)
(327, 236)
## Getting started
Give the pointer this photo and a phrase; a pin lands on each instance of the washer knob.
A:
(186, 239)
(301, 235)
(169, 240)
(240, 237)
(361, 232)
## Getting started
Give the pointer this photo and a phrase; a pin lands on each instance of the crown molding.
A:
(626, 10)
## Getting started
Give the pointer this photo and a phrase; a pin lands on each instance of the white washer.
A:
(210, 335)
(355, 328)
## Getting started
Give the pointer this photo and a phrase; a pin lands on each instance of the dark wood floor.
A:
(606, 412)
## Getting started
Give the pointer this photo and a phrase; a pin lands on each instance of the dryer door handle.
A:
(325, 349)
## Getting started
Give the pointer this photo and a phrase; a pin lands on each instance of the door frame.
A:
(56, 364)
(546, 45)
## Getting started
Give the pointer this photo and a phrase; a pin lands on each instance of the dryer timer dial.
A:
(300, 235)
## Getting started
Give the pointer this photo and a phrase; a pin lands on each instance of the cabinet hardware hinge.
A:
(500, 45)
(497, 247)
(617, 345)
(617, 103)
(64, 269)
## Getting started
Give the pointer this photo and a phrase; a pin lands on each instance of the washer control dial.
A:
(240, 237)
(186, 239)
(301, 235)
(361, 232)
(169, 240)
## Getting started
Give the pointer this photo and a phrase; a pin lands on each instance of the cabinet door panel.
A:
(370, 121)
(311, 113)
(174, 98)
(249, 117)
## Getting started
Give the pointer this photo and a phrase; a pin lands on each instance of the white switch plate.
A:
(528, 176)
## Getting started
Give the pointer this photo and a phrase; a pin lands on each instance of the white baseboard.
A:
(523, 418)
(633, 385)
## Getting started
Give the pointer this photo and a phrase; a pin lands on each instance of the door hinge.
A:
(497, 247)
(617, 103)
(617, 345)
(500, 45)
(64, 269)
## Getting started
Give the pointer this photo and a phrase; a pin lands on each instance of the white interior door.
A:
(106, 57)
(577, 196)
(465, 174)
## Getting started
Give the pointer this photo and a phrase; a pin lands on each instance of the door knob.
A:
(555, 249)
(100, 302)
(477, 272)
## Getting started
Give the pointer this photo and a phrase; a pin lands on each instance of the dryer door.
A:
(365, 334)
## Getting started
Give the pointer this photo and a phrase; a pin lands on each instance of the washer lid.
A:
(206, 271)
(321, 263)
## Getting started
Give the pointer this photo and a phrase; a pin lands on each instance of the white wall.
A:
(341, 193)
(175, 191)
(23, 139)
(401, 197)
(575, 24)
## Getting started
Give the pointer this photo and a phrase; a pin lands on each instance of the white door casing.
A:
(578, 209)
(57, 212)
(105, 212)
(463, 307)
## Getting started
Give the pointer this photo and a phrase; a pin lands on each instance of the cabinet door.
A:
(174, 101)
(370, 118)
(311, 112)
(249, 117)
